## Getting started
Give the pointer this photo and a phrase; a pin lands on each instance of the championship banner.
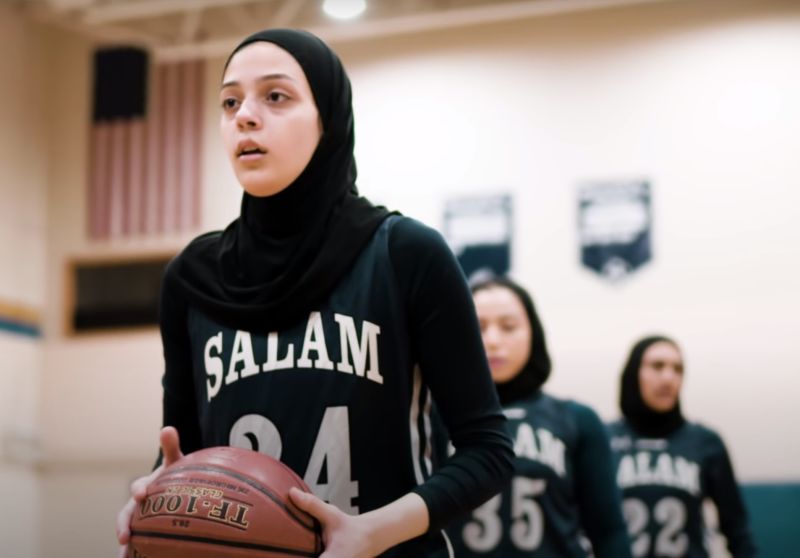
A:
(479, 231)
(614, 223)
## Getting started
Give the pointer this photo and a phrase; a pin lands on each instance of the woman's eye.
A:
(229, 103)
(508, 327)
(276, 96)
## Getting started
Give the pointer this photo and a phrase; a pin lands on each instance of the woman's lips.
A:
(249, 150)
(251, 156)
(496, 362)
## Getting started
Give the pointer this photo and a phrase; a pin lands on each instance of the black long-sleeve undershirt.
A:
(447, 344)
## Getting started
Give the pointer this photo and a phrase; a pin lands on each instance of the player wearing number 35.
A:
(318, 328)
(666, 467)
(563, 489)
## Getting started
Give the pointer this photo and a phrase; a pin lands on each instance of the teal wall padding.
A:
(774, 510)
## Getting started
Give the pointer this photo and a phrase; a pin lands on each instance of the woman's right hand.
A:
(171, 450)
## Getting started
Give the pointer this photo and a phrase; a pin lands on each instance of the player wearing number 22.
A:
(317, 328)
(666, 467)
(563, 489)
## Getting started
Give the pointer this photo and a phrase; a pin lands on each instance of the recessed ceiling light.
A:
(344, 9)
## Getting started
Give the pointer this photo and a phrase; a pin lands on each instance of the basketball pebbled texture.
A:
(223, 502)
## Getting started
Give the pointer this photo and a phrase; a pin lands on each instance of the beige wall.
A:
(23, 223)
(99, 398)
(701, 100)
(705, 102)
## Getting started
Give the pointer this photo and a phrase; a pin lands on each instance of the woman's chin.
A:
(262, 189)
(663, 407)
(502, 376)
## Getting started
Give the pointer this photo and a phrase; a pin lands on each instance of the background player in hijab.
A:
(563, 487)
(667, 466)
(316, 326)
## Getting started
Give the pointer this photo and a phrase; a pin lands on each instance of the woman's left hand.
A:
(343, 535)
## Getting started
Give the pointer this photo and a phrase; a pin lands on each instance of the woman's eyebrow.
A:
(267, 77)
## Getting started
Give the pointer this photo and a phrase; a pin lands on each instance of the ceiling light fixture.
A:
(344, 9)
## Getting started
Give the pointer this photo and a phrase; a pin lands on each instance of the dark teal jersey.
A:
(562, 494)
(343, 397)
(664, 482)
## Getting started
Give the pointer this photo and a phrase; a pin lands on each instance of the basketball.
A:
(223, 502)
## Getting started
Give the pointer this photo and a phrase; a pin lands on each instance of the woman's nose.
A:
(671, 374)
(490, 337)
(247, 117)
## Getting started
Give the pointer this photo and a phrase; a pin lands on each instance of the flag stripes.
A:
(145, 164)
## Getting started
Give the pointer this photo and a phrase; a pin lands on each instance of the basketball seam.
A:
(193, 517)
(221, 542)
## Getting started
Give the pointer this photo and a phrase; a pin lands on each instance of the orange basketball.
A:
(223, 502)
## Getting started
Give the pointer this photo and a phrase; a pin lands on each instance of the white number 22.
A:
(670, 514)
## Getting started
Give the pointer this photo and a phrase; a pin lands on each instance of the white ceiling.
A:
(181, 29)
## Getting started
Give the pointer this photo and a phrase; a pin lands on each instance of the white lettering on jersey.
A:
(315, 341)
(242, 352)
(272, 362)
(358, 356)
(360, 351)
(214, 366)
(540, 445)
(662, 469)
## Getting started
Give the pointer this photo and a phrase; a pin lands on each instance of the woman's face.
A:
(505, 330)
(270, 124)
(661, 376)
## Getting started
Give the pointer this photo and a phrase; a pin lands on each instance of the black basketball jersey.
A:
(664, 482)
(338, 397)
(562, 483)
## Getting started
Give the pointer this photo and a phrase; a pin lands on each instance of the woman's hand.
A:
(171, 450)
(366, 535)
(343, 535)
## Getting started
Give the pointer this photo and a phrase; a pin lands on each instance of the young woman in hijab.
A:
(666, 467)
(563, 489)
(317, 327)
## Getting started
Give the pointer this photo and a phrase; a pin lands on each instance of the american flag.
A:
(145, 145)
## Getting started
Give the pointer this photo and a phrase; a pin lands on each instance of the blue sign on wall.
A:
(614, 223)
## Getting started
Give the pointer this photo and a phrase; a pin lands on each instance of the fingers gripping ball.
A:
(223, 502)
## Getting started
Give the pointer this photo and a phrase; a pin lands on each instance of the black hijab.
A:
(536, 371)
(644, 420)
(286, 252)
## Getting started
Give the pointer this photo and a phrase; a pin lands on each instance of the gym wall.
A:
(699, 99)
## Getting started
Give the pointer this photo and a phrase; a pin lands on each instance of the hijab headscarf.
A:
(286, 252)
(644, 420)
(534, 374)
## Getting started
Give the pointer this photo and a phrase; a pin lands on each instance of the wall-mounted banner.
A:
(479, 231)
(614, 221)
